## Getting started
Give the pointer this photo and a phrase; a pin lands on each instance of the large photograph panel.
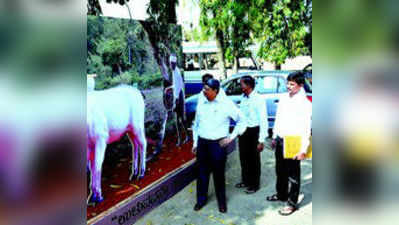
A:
(135, 107)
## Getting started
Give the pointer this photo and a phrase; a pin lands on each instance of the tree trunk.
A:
(159, 58)
(220, 46)
(278, 67)
(93, 8)
(206, 63)
(172, 11)
(236, 64)
(257, 66)
(119, 69)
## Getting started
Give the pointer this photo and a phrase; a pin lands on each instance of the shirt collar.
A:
(250, 95)
(300, 93)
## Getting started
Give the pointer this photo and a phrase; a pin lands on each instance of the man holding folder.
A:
(293, 123)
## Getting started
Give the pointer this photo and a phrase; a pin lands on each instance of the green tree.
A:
(164, 36)
(228, 22)
(283, 28)
(213, 24)
(192, 35)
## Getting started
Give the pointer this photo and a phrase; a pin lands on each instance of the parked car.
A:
(269, 84)
(308, 79)
(201, 58)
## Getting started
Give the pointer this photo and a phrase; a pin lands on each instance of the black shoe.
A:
(251, 190)
(240, 185)
(223, 209)
(274, 198)
(198, 207)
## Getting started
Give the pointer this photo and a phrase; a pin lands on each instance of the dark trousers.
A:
(211, 158)
(250, 158)
(357, 182)
(288, 173)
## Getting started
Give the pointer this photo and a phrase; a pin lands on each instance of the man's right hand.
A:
(225, 141)
(274, 143)
(194, 150)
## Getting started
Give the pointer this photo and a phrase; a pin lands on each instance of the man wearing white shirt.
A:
(178, 83)
(293, 118)
(253, 106)
(178, 98)
(211, 136)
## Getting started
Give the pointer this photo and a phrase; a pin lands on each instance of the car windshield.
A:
(266, 84)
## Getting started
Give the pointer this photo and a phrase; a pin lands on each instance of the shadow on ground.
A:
(243, 209)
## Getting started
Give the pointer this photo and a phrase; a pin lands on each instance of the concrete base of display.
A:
(131, 209)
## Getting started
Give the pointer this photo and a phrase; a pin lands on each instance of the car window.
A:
(246, 63)
(212, 61)
(191, 62)
(233, 87)
(307, 86)
(266, 84)
(282, 85)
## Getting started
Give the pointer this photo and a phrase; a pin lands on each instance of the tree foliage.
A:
(165, 37)
(118, 48)
(227, 21)
(163, 34)
(282, 27)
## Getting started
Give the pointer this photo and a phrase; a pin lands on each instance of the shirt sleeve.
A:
(277, 119)
(238, 117)
(263, 123)
(307, 126)
(195, 125)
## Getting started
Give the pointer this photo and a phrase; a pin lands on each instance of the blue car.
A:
(269, 84)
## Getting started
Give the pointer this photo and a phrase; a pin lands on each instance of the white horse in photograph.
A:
(111, 114)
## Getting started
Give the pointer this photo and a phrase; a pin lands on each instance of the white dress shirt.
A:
(254, 109)
(178, 83)
(202, 98)
(294, 117)
(212, 119)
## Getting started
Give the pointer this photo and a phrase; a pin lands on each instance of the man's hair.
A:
(248, 80)
(206, 77)
(298, 77)
(214, 84)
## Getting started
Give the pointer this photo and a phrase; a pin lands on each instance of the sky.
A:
(187, 11)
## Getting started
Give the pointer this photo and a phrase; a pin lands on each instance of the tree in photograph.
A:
(165, 38)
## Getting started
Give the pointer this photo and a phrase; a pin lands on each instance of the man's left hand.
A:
(300, 156)
(225, 141)
(260, 147)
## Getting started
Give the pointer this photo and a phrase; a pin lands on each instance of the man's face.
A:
(209, 93)
(293, 87)
(245, 88)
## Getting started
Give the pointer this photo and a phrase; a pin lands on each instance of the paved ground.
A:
(243, 209)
